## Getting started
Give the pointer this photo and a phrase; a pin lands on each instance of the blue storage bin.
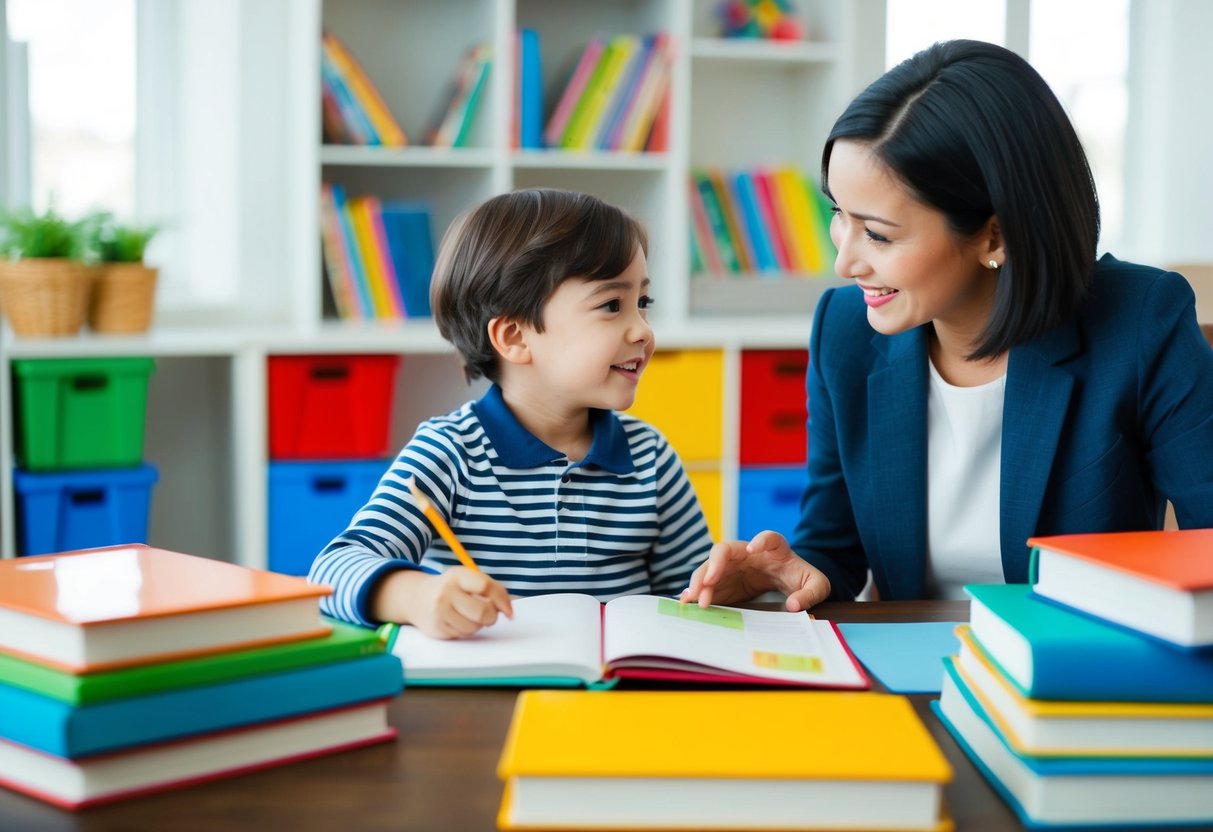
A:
(65, 510)
(769, 498)
(310, 503)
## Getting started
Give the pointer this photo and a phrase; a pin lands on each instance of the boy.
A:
(545, 293)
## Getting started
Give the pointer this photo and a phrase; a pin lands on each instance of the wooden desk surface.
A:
(440, 774)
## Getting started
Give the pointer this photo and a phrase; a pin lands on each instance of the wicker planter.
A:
(123, 298)
(45, 296)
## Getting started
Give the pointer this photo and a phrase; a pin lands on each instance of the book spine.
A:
(794, 210)
(341, 281)
(386, 268)
(341, 207)
(389, 131)
(767, 206)
(530, 90)
(720, 231)
(572, 92)
(482, 62)
(648, 99)
(732, 226)
(597, 90)
(701, 230)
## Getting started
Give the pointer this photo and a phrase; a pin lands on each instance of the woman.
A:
(988, 378)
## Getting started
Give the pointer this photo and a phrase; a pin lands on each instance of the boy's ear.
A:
(509, 340)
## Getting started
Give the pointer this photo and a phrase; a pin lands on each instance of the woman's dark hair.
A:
(973, 131)
(506, 256)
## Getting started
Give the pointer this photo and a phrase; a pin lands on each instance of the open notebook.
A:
(571, 640)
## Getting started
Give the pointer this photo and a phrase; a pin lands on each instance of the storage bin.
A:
(310, 503)
(708, 489)
(330, 406)
(773, 412)
(682, 394)
(61, 511)
(74, 413)
(769, 498)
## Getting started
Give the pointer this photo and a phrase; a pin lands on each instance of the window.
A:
(1080, 47)
(81, 93)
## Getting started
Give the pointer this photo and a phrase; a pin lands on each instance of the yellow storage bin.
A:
(682, 395)
(707, 485)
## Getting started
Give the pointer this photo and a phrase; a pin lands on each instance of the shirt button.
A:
(564, 479)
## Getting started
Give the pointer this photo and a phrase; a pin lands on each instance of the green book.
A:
(345, 642)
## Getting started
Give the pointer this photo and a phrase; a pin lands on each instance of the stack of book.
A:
(616, 97)
(129, 669)
(352, 110)
(761, 220)
(720, 760)
(378, 255)
(1087, 700)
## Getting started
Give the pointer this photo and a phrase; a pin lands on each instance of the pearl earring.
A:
(993, 264)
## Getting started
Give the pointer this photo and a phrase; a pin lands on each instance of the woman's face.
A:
(909, 263)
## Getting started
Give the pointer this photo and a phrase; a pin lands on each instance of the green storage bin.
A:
(80, 412)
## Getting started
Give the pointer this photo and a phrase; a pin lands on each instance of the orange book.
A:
(1156, 582)
(385, 124)
(119, 606)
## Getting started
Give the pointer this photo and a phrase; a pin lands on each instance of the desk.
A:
(440, 774)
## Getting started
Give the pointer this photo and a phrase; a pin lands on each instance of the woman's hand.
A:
(736, 571)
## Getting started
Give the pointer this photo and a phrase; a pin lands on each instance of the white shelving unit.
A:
(734, 104)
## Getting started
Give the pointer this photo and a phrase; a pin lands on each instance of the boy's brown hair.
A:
(506, 256)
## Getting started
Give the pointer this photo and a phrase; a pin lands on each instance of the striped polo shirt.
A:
(622, 521)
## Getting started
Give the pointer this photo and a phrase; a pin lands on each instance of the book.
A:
(600, 86)
(638, 125)
(453, 126)
(728, 211)
(386, 129)
(712, 760)
(345, 232)
(1048, 728)
(336, 258)
(571, 639)
(767, 205)
(530, 90)
(715, 214)
(411, 245)
(758, 234)
(904, 656)
(800, 215)
(382, 253)
(107, 778)
(1065, 792)
(367, 253)
(64, 730)
(610, 134)
(1156, 582)
(573, 90)
(701, 230)
(96, 609)
(345, 642)
(1049, 652)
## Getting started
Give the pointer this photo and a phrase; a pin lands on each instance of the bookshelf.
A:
(733, 104)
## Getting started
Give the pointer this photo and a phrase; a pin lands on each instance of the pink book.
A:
(702, 230)
(572, 93)
(770, 217)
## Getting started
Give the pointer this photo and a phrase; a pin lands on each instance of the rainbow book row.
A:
(615, 99)
(378, 256)
(760, 220)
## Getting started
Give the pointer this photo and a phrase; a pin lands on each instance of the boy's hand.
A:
(736, 571)
(455, 604)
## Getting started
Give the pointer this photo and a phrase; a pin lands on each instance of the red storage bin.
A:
(330, 406)
(773, 411)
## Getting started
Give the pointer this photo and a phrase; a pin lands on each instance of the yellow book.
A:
(720, 760)
(597, 91)
(372, 267)
(360, 85)
(795, 203)
(1043, 728)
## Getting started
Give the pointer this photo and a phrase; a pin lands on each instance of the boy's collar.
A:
(518, 448)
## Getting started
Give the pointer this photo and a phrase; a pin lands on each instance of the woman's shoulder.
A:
(1121, 291)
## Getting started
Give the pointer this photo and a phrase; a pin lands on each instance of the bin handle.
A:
(330, 372)
(89, 496)
(91, 381)
(323, 484)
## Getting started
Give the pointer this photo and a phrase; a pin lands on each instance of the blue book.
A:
(1076, 793)
(759, 234)
(1048, 652)
(407, 226)
(56, 727)
(530, 90)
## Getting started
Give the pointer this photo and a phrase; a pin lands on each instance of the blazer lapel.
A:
(1037, 399)
(897, 437)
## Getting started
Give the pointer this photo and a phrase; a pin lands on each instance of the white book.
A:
(573, 639)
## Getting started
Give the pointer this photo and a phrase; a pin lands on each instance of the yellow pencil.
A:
(440, 524)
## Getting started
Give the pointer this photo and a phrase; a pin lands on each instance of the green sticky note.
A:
(716, 616)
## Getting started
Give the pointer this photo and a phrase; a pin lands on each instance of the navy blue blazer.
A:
(1105, 418)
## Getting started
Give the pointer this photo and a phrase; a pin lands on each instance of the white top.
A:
(964, 455)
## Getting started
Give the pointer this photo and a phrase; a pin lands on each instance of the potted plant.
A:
(124, 293)
(44, 283)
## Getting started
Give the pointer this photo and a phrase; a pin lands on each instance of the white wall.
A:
(1169, 152)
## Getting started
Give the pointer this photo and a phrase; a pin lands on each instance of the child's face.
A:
(596, 340)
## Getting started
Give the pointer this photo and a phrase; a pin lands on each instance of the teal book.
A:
(344, 642)
(1049, 652)
(55, 727)
(1076, 793)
